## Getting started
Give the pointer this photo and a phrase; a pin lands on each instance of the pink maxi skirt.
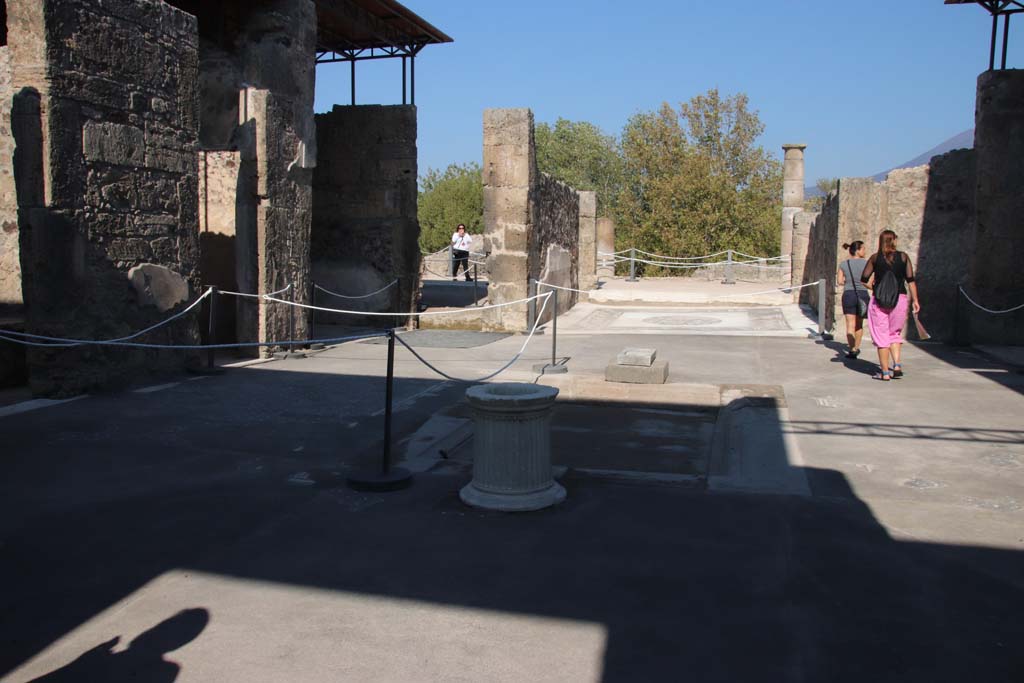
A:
(886, 327)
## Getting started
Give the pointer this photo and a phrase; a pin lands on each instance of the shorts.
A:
(850, 300)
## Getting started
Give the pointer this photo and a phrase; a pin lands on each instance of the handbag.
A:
(862, 308)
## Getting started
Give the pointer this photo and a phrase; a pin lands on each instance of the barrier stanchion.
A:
(553, 368)
(822, 304)
(961, 333)
(729, 280)
(476, 301)
(212, 336)
(632, 265)
(387, 478)
(451, 261)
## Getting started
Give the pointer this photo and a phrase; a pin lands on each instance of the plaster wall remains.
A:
(106, 174)
(365, 232)
(219, 178)
(554, 240)
(10, 265)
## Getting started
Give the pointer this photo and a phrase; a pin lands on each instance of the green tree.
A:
(447, 198)
(580, 154)
(696, 182)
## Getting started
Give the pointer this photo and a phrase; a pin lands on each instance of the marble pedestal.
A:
(512, 448)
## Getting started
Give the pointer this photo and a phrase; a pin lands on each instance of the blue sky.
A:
(866, 84)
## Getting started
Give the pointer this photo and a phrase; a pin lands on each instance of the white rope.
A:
(988, 310)
(402, 313)
(77, 342)
(784, 290)
(768, 258)
(564, 289)
(254, 296)
(362, 296)
(612, 253)
(136, 345)
(497, 372)
(681, 258)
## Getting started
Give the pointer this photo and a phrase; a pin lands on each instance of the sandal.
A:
(897, 370)
(853, 353)
(884, 375)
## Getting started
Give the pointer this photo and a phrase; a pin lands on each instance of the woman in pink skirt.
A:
(886, 325)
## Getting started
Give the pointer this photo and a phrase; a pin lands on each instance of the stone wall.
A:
(997, 279)
(218, 211)
(531, 222)
(10, 265)
(587, 277)
(605, 245)
(365, 231)
(930, 208)
(106, 181)
(554, 240)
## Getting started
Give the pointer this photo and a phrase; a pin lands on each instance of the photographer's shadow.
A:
(143, 660)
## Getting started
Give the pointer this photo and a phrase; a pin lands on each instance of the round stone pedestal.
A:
(512, 448)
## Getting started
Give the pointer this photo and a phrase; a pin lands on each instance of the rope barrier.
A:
(361, 296)
(254, 296)
(236, 345)
(987, 310)
(77, 342)
(564, 289)
(497, 372)
(404, 314)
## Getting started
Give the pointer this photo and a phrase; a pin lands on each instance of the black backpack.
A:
(887, 291)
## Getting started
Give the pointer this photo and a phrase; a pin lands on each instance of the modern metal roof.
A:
(371, 29)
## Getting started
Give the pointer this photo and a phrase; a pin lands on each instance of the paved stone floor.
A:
(847, 530)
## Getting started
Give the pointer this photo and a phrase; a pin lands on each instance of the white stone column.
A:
(587, 277)
(512, 448)
(792, 199)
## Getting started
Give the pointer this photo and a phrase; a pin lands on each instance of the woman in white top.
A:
(461, 244)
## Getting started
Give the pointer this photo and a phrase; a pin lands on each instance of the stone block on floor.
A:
(636, 356)
(656, 373)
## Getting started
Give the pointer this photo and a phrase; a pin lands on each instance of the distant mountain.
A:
(964, 140)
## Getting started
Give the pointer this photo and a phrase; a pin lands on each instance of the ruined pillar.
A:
(605, 245)
(996, 278)
(106, 175)
(10, 265)
(792, 198)
(278, 52)
(587, 277)
(509, 173)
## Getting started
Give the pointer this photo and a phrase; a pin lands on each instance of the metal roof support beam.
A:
(364, 20)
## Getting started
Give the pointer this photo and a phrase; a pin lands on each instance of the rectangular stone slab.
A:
(636, 356)
(656, 373)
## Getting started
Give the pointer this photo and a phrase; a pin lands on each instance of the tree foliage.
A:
(447, 198)
(697, 182)
(580, 154)
(824, 185)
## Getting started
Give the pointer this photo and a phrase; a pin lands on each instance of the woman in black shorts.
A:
(848, 276)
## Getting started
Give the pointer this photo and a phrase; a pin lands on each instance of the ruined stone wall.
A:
(531, 221)
(803, 225)
(587, 277)
(365, 232)
(218, 199)
(554, 240)
(997, 279)
(10, 265)
(605, 245)
(111, 218)
(820, 259)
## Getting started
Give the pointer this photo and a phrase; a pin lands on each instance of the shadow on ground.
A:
(99, 497)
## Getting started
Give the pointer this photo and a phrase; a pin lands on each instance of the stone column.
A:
(605, 245)
(997, 279)
(792, 197)
(588, 241)
(509, 173)
(512, 448)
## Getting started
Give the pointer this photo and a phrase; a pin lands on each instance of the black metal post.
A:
(353, 64)
(212, 336)
(992, 48)
(412, 80)
(1006, 36)
(387, 478)
(385, 466)
(291, 321)
(476, 301)
(403, 80)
